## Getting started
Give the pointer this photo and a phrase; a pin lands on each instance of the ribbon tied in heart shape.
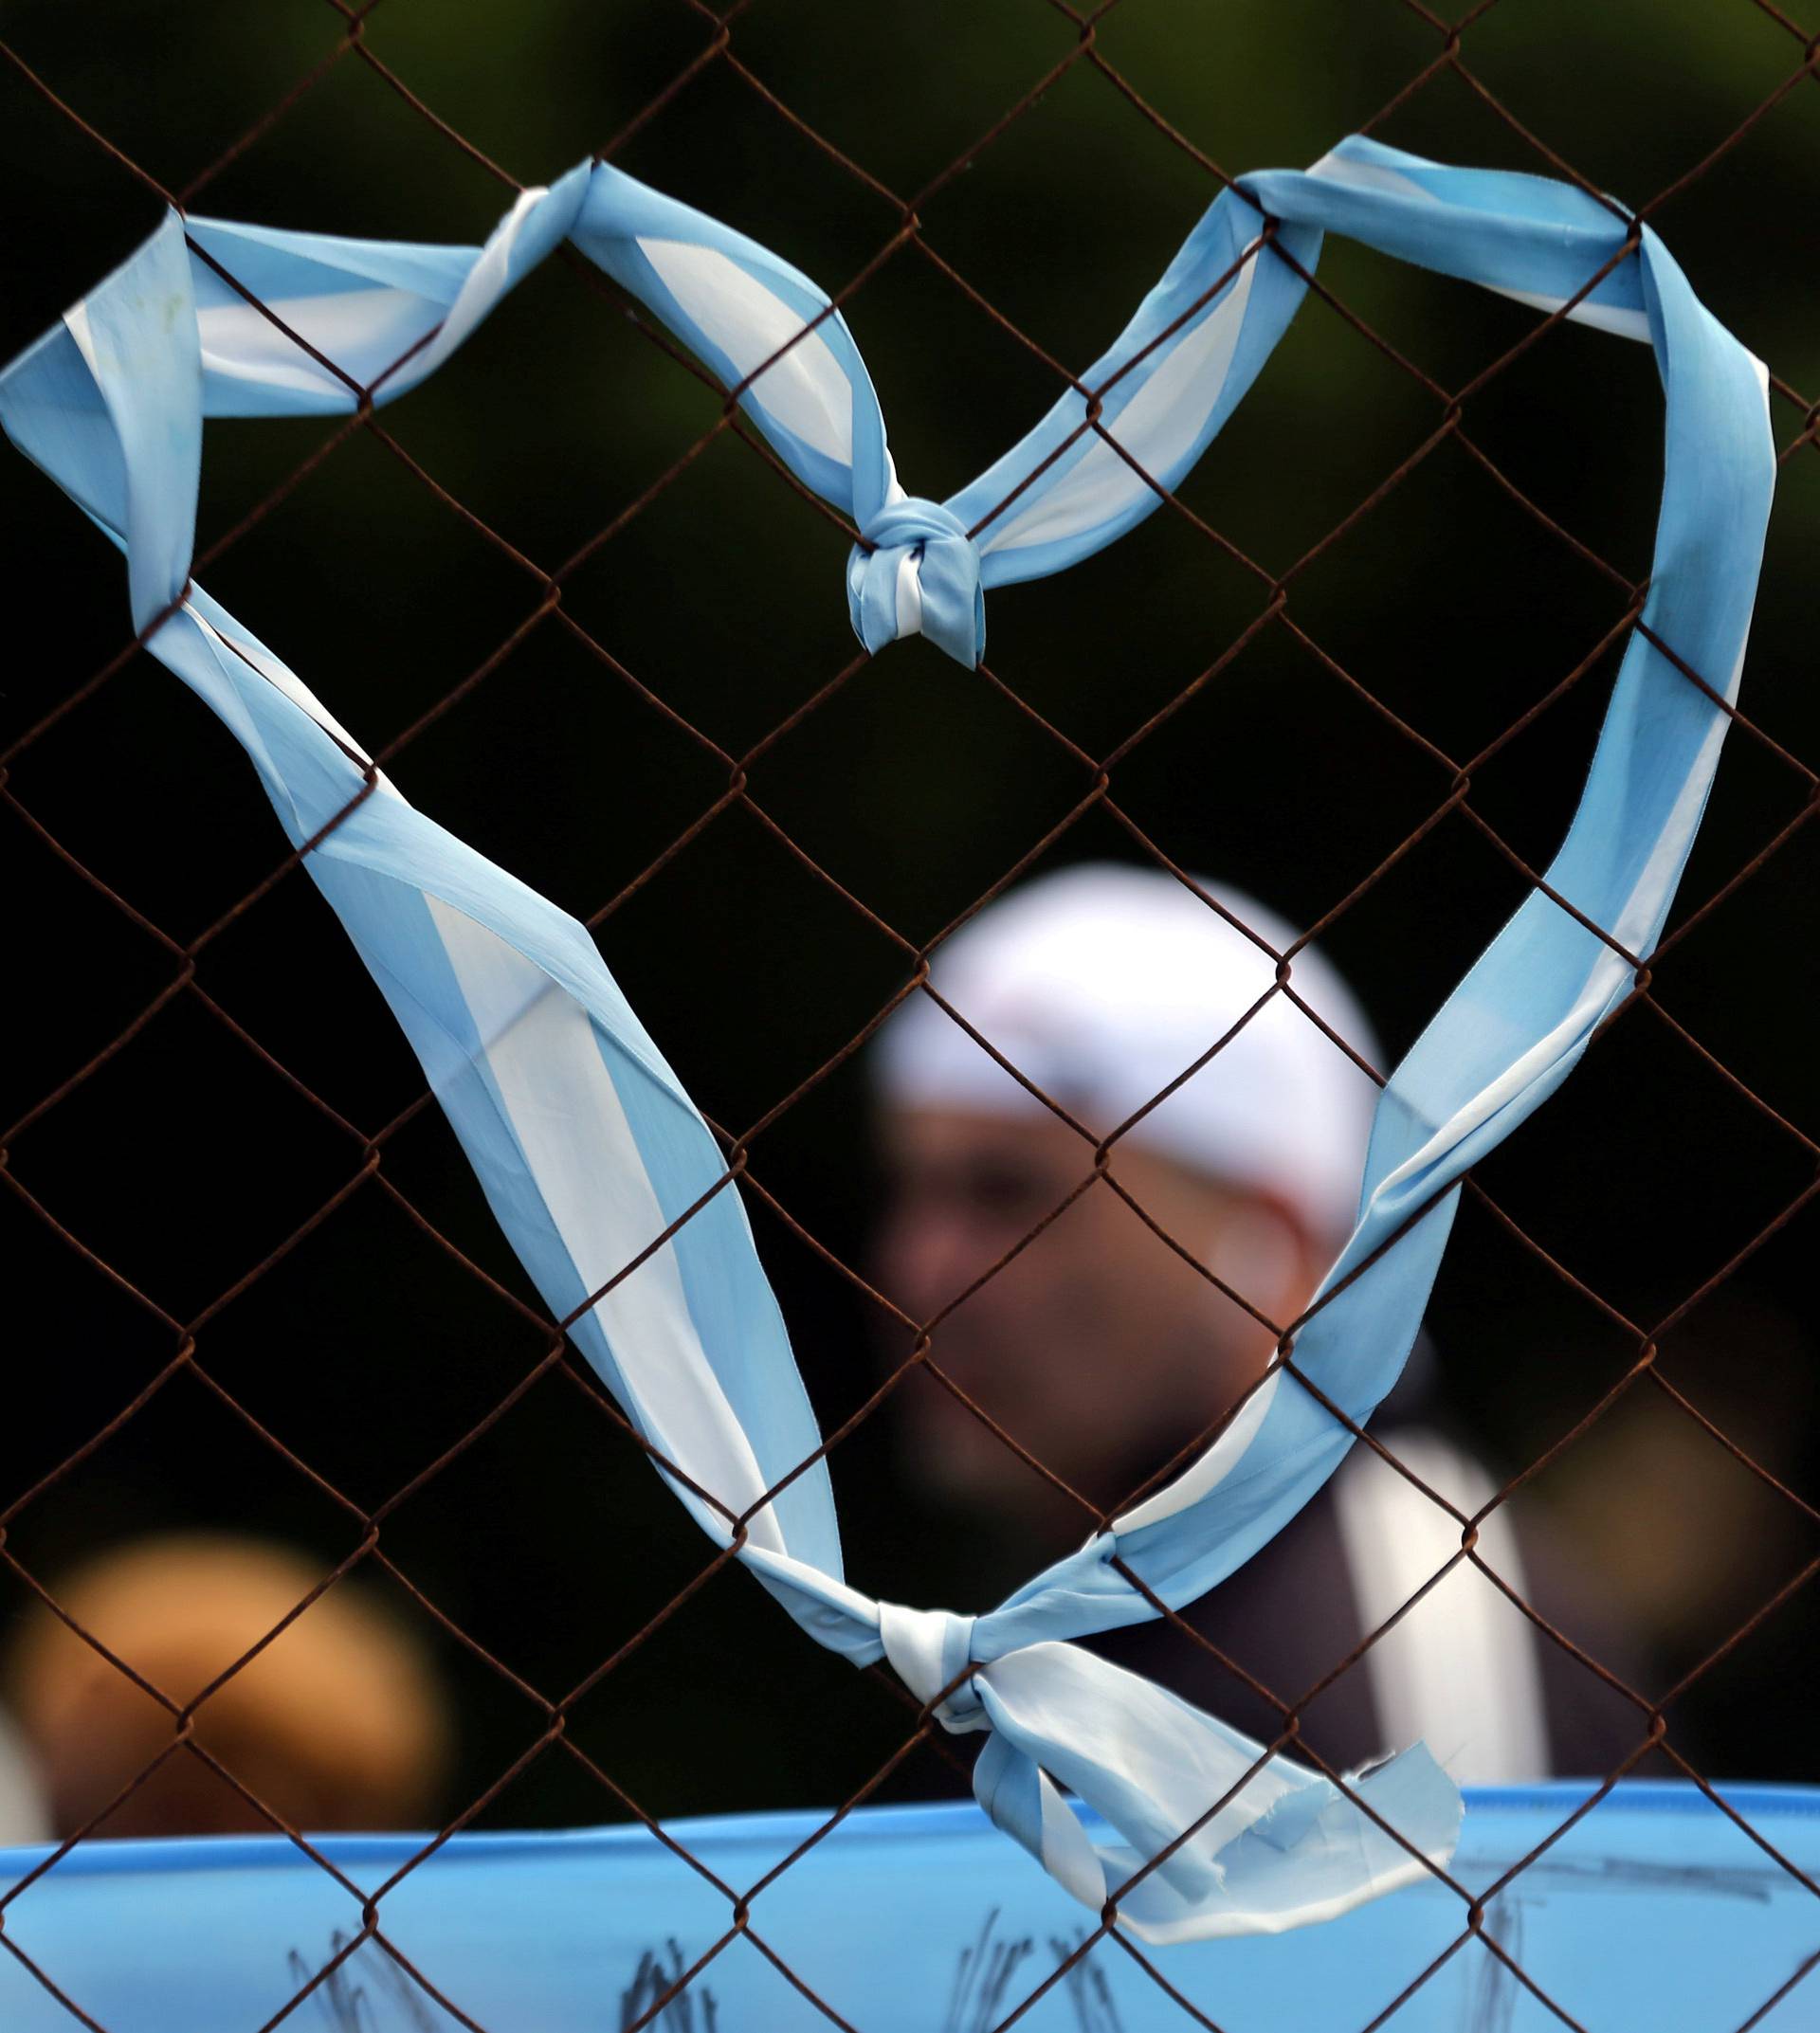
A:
(585, 1141)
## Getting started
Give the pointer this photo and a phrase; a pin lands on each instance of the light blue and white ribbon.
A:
(584, 1140)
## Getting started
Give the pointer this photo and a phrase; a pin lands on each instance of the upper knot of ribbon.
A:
(920, 576)
(930, 1649)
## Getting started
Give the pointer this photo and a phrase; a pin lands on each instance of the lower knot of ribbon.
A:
(930, 1649)
(919, 576)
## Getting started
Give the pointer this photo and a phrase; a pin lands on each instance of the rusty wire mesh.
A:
(366, 1146)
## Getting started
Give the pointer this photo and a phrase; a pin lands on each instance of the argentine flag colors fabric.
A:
(598, 1166)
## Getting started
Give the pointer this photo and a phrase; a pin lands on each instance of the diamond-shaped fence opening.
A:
(1353, 666)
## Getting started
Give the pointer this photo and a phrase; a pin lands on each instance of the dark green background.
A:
(184, 1161)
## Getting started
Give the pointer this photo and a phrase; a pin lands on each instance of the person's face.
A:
(1097, 1347)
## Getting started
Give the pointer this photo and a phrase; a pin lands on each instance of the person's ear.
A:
(1259, 1250)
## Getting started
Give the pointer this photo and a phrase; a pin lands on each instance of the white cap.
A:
(1101, 983)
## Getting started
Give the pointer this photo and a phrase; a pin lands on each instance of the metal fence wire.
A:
(367, 1175)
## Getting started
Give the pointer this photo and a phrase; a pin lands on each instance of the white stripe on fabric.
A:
(1459, 1672)
(806, 390)
(1602, 979)
(909, 593)
(348, 326)
(541, 1048)
(1609, 317)
(284, 679)
(1156, 427)
(484, 284)
(75, 318)
(1334, 167)
(1636, 923)
(1212, 1468)
(1068, 1852)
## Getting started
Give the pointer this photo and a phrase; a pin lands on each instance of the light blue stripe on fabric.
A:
(586, 1143)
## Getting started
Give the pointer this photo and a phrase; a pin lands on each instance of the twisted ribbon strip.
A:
(583, 1138)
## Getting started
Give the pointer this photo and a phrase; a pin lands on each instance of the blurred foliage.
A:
(184, 1160)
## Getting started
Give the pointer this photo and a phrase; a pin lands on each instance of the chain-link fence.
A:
(253, 1283)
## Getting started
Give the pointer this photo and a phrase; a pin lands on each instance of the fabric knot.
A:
(920, 577)
(927, 1648)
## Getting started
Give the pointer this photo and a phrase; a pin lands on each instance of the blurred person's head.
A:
(1099, 1348)
(338, 1723)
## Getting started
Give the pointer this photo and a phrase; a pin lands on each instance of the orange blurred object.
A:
(338, 1723)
